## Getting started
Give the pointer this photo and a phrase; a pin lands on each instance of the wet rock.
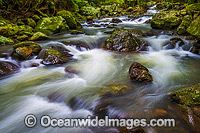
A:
(196, 48)
(194, 28)
(175, 40)
(78, 44)
(89, 19)
(53, 56)
(35, 65)
(108, 32)
(7, 68)
(69, 18)
(71, 70)
(24, 50)
(166, 20)
(96, 25)
(140, 73)
(39, 36)
(76, 32)
(124, 40)
(188, 98)
(52, 25)
(115, 20)
(184, 24)
(5, 40)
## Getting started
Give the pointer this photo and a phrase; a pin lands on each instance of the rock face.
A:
(184, 25)
(139, 73)
(194, 28)
(52, 25)
(7, 68)
(4, 40)
(69, 18)
(39, 36)
(166, 20)
(125, 40)
(23, 50)
(54, 56)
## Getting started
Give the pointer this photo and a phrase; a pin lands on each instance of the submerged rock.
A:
(125, 40)
(184, 25)
(7, 68)
(53, 56)
(39, 36)
(52, 25)
(5, 40)
(194, 28)
(166, 20)
(115, 20)
(78, 44)
(24, 50)
(139, 73)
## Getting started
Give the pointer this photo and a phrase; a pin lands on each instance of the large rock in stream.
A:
(7, 68)
(54, 55)
(125, 40)
(139, 73)
(24, 50)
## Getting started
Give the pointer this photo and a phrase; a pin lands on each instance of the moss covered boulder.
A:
(24, 50)
(166, 20)
(125, 40)
(52, 25)
(194, 28)
(193, 8)
(69, 18)
(22, 38)
(139, 73)
(184, 24)
(54, 56)
(5, 40)
(39, 36)
(31, 22)
(90, 11)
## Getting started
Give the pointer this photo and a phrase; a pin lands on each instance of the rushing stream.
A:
(26, 92)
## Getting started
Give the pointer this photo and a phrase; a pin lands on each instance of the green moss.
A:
(184, 25)
(34, 46)
(188, 96)
(4, 40)
(31, 22)
(39, 36)
(69, 18)
(22, 38)
(51, 25)
(53, 52)
(194, 28)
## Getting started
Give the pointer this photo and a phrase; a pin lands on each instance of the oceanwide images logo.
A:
(46, 121)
